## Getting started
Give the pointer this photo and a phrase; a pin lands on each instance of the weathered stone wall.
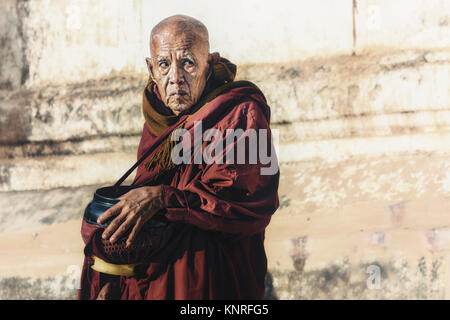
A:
(363, 138)
(93, 128)
(65, 41)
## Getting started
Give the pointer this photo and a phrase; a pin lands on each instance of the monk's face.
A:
(179, 66)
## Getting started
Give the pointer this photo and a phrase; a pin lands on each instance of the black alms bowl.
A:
(105, 198)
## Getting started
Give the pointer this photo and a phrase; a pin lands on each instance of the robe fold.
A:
(213, 245)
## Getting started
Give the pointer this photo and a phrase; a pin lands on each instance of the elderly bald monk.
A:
(211, 244)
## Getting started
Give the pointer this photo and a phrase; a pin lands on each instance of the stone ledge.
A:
(26, 288)
(314, 89)
(104, 107)
(334, 220)
(56, 257)
(42, 173)
(401, 279)
(417, 279)
(366, 126)
(92, 145)
(346, 86)
(64, 171)
(33, 209)
(336, 150)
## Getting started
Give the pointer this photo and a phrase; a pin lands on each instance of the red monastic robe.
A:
(213, 247)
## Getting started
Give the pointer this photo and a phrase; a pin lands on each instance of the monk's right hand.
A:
(132, 211)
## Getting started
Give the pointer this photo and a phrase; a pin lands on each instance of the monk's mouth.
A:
(178, 94)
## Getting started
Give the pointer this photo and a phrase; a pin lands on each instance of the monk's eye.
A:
(188, 63)
(163, 64)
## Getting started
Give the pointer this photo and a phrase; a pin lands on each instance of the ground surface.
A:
(336, 218)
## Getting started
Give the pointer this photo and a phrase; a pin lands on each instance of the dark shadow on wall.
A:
(269, 294)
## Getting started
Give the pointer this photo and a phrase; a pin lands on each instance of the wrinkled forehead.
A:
(173, 38)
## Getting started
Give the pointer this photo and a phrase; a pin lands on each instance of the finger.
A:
(122, 229)
(113, 226)
(137, 227)
(102, 293)
(111, 212)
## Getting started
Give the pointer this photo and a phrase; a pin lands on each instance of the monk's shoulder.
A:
(245, 112)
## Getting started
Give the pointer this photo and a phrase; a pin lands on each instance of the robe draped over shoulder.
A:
(213, 246)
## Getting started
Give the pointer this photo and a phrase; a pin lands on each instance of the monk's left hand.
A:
(134, 209)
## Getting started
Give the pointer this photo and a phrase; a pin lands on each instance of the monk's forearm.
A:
(217, 214)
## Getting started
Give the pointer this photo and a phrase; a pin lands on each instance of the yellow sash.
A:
(114, 269)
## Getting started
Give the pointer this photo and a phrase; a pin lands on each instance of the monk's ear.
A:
(150, 66)
(213, 58)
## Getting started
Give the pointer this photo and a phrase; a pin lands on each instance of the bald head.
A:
(180, 62)
(180, 27)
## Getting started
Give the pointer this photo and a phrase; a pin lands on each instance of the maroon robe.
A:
(213, 247)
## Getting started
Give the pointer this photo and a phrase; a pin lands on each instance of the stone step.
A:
(104, 107)
(300, 91)
(88, 169)
(335, 220)
(64, 171)
(42, 262)
(45, 262)
(347, 86)
(37, 208)
(336, 150)
(367, 126)
(128, 144)
(326, 238)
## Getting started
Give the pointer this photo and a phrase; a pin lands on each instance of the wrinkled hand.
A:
(134, 209)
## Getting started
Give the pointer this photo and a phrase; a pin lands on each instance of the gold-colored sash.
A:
(114, 269)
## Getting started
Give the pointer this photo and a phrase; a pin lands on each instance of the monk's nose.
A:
(176, 76)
